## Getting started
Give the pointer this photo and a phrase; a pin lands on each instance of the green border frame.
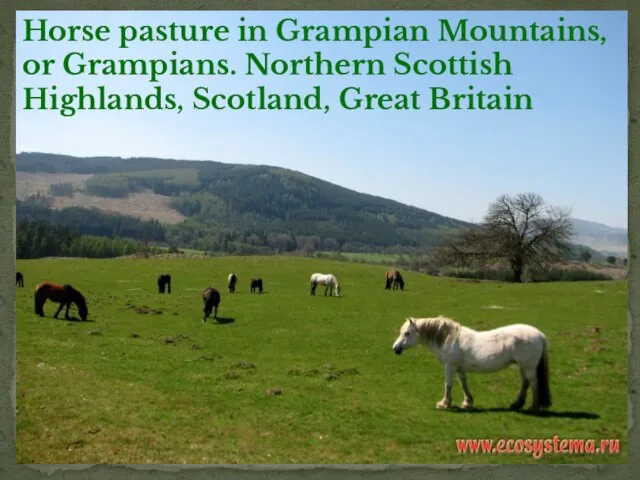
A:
(8, 467)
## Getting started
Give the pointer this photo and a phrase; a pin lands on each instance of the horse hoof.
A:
(442, 405)
(515, 406)
(466, 406)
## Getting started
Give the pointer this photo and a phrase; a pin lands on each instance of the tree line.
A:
(93, 222)
(37, 239)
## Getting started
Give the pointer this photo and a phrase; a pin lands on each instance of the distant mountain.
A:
(600, 237)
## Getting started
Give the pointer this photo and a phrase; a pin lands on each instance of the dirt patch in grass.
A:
(244, 366)
(330, 371)
(304, 372)
(143, 309)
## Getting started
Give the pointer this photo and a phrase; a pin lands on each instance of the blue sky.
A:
(571, 149)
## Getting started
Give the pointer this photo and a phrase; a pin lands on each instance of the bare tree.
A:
(520, 230)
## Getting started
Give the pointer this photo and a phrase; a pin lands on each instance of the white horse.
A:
(460, 349)
(326, 279)
(232, 279)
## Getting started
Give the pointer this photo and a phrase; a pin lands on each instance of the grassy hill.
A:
(255, 206)
(218, 207)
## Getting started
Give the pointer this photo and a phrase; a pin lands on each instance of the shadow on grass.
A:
(543, 414)
(72, 319)
(224, 320)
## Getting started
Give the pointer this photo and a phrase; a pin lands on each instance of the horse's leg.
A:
(66, 313)
(59, 310)
(215, 312)
(38, 304)
(448, 385)
(522, 396)
(468, 398)
(530, 375)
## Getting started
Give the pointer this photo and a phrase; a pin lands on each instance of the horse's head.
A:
(338, 289)
(408, 337)
(83, 311)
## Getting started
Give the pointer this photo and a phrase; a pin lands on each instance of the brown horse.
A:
(211, 299)
(19, 280)
(65, 295)
(256, 284)
(164, 280)
(394, 279)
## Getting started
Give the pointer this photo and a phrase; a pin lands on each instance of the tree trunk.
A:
(517, 267)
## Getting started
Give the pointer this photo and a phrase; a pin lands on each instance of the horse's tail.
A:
(542, 377)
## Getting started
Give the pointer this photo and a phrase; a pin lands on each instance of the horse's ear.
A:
(413, 324)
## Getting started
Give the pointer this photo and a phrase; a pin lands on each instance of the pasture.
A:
(287, 377)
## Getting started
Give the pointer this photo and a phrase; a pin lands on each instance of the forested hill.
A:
(225, 206)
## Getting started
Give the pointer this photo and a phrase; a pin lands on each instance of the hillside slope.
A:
(251, 200)
(234, 208)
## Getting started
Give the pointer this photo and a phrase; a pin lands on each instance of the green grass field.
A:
(145, 381)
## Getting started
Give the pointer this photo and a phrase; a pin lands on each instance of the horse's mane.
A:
(437, 330)
(74, 292)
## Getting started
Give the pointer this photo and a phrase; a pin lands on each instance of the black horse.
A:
(256, 285)
(211, 299)
(19, 280)
(164, 280)
(233, 279)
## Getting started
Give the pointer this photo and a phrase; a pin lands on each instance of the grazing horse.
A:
(256, 284)
(211, 299)
(394, 279)
(19, 279)
(232, 279)
(326, 279)
(164, 280)
(65, 295)
(461, 349)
